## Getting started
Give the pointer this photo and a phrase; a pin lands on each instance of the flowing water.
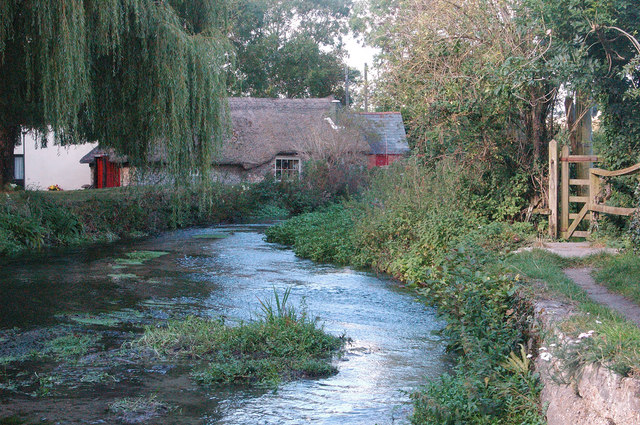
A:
(393, 349)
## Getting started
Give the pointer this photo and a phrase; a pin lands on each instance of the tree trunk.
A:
(538, 121)
(9, 136)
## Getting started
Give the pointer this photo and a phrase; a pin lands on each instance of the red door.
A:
(107, 173)
(100, 162)
(113, 175)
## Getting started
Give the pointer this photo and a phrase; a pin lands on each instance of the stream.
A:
(222, 271)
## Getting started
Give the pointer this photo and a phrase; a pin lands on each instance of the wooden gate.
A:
(591, 199)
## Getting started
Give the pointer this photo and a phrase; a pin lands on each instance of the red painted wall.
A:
(382, 160)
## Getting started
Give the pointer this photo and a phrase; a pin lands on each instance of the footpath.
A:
(599, 396)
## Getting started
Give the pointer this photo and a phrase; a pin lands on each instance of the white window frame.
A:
(278, 171)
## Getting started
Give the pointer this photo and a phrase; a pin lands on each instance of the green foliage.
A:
(478, 81)
(139, 257)
(70, 346)
(283, 345)
(322, 236)
(132, 408)
(288, 48)
(607, 340)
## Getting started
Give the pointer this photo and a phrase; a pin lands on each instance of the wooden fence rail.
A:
(593, 202)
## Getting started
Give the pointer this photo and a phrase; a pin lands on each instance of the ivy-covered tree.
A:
(141, 76)
(288, 48)
(604, 36)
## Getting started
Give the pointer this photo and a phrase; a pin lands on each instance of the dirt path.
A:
(582, 277)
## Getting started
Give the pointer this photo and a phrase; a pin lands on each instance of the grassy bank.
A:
(414, 225)
(621, 274)
(32, 220)
(612, 340)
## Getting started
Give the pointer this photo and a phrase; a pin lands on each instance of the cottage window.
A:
(287, 167)
(18, 169)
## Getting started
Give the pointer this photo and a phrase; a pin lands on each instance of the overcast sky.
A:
(359, 55)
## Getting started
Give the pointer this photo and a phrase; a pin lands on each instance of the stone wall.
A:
(598, 396)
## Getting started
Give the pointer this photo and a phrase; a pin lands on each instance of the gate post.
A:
(564, 192)
(553, 189)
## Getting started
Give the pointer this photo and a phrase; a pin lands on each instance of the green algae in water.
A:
(212, 236)
(137, 258)
(71, 345)
(107, 319)
(123, 276)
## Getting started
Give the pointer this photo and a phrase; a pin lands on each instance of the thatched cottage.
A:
(278, 135)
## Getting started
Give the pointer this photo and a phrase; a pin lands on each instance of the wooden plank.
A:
(579, 158)
(564, 191)
(594, 195)
(553, 189)
(578, 182)
(623, 172)
(581, 234)
(612, 210)
(577, 221)
(542, 211)
(573, 216)
(581, 199)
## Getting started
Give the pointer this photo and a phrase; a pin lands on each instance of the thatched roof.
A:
(264, 128)
(98, 152)
(261, 129)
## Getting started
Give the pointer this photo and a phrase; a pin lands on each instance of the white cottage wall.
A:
(54, 164)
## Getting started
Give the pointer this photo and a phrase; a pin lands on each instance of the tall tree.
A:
(288, 48)
(470, 76)
(141, 76)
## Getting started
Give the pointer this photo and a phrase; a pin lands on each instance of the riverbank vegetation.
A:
(420, 224)
(416, 224)
(281, 345)
(32, 220)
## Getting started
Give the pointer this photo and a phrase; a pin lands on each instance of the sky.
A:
(359, 55)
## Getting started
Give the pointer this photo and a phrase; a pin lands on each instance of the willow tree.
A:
(145, 77)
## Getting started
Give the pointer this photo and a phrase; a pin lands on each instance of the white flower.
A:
(529, 356)
(598, 322)
(585, 335)
(542, 349)
(552, 345)
(546, 356)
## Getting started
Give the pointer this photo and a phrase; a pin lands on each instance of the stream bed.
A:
(103, 296)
